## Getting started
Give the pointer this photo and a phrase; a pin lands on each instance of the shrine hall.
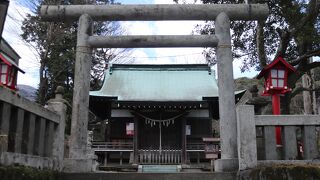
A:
(156, 114)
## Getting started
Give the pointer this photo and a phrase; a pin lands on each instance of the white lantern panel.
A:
(10, 79)
(280, 83)
(274, 73)
(4, 68)
(280, 73)
(3, 74)
(3, 78)
(274, 83)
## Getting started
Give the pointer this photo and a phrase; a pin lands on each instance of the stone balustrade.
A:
(30, 134)
(257, 139)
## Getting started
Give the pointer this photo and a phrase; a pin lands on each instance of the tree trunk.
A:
(306, 83)
(43, 85)
(260, 44)
(285, 102)
(314, 98)
(308, 96)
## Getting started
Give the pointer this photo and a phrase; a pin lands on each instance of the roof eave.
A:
(273, 63)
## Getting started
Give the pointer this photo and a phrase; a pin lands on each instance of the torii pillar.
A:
(222, 13)
(80, 104)
(227, 108)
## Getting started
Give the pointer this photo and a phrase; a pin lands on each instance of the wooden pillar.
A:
(121, 158)
(135, 141)
(198, 157)
(105, 159)
(183, 140)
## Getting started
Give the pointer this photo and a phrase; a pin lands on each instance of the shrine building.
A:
(156, 114)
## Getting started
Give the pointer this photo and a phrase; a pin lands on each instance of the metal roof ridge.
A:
(160, 67)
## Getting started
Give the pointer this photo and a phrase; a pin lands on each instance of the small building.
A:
(156, 114)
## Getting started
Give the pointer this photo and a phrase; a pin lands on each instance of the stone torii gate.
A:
(222, 14)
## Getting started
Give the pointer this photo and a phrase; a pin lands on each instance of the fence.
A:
(299, 138)
(160, 157)
(30, 134)
(112, 146)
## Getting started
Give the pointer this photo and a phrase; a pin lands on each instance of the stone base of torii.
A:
(220, 13)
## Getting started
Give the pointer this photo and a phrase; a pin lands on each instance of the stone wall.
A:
(282, 172)
(26, 173)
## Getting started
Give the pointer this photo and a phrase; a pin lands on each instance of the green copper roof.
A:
(158, 83)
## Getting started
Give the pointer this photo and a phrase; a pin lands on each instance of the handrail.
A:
(129, 145)
(27, 105)
(112, 145)
(287, 120)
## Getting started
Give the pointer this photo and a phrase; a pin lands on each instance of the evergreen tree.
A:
(56, 46)
(291, 30)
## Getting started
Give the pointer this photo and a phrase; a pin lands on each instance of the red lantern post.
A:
(276, 78)
(276, 111)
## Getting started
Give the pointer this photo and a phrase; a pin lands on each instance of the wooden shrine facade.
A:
(155, 114)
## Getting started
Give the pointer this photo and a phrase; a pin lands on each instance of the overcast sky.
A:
(29, 62)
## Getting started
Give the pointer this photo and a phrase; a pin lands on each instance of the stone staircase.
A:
(159, 168)
(148, 176)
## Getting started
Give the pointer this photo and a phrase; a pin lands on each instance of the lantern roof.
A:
(8, 50)
(7, 60)
(278, 60)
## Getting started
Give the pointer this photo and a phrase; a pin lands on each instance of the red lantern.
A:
(8, 71)
(276, 77)
(276, 84)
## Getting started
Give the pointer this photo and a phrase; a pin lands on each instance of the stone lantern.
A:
(276, 84)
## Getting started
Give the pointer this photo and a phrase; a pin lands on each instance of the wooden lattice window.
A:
(278, 78)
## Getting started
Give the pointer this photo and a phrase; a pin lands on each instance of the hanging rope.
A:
(164, 122)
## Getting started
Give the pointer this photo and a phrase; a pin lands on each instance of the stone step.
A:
(159, 168)
(148, 176)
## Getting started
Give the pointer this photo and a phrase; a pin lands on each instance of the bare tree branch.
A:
(300, 89)
(286, 34)
(307, 55)
(285, 37)
(311, 16)
(311, 66)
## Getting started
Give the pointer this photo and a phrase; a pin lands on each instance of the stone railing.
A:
(298, 132)
(30, 134)
(112, 146)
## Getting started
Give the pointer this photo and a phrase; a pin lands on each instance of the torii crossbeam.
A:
(222, 14)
